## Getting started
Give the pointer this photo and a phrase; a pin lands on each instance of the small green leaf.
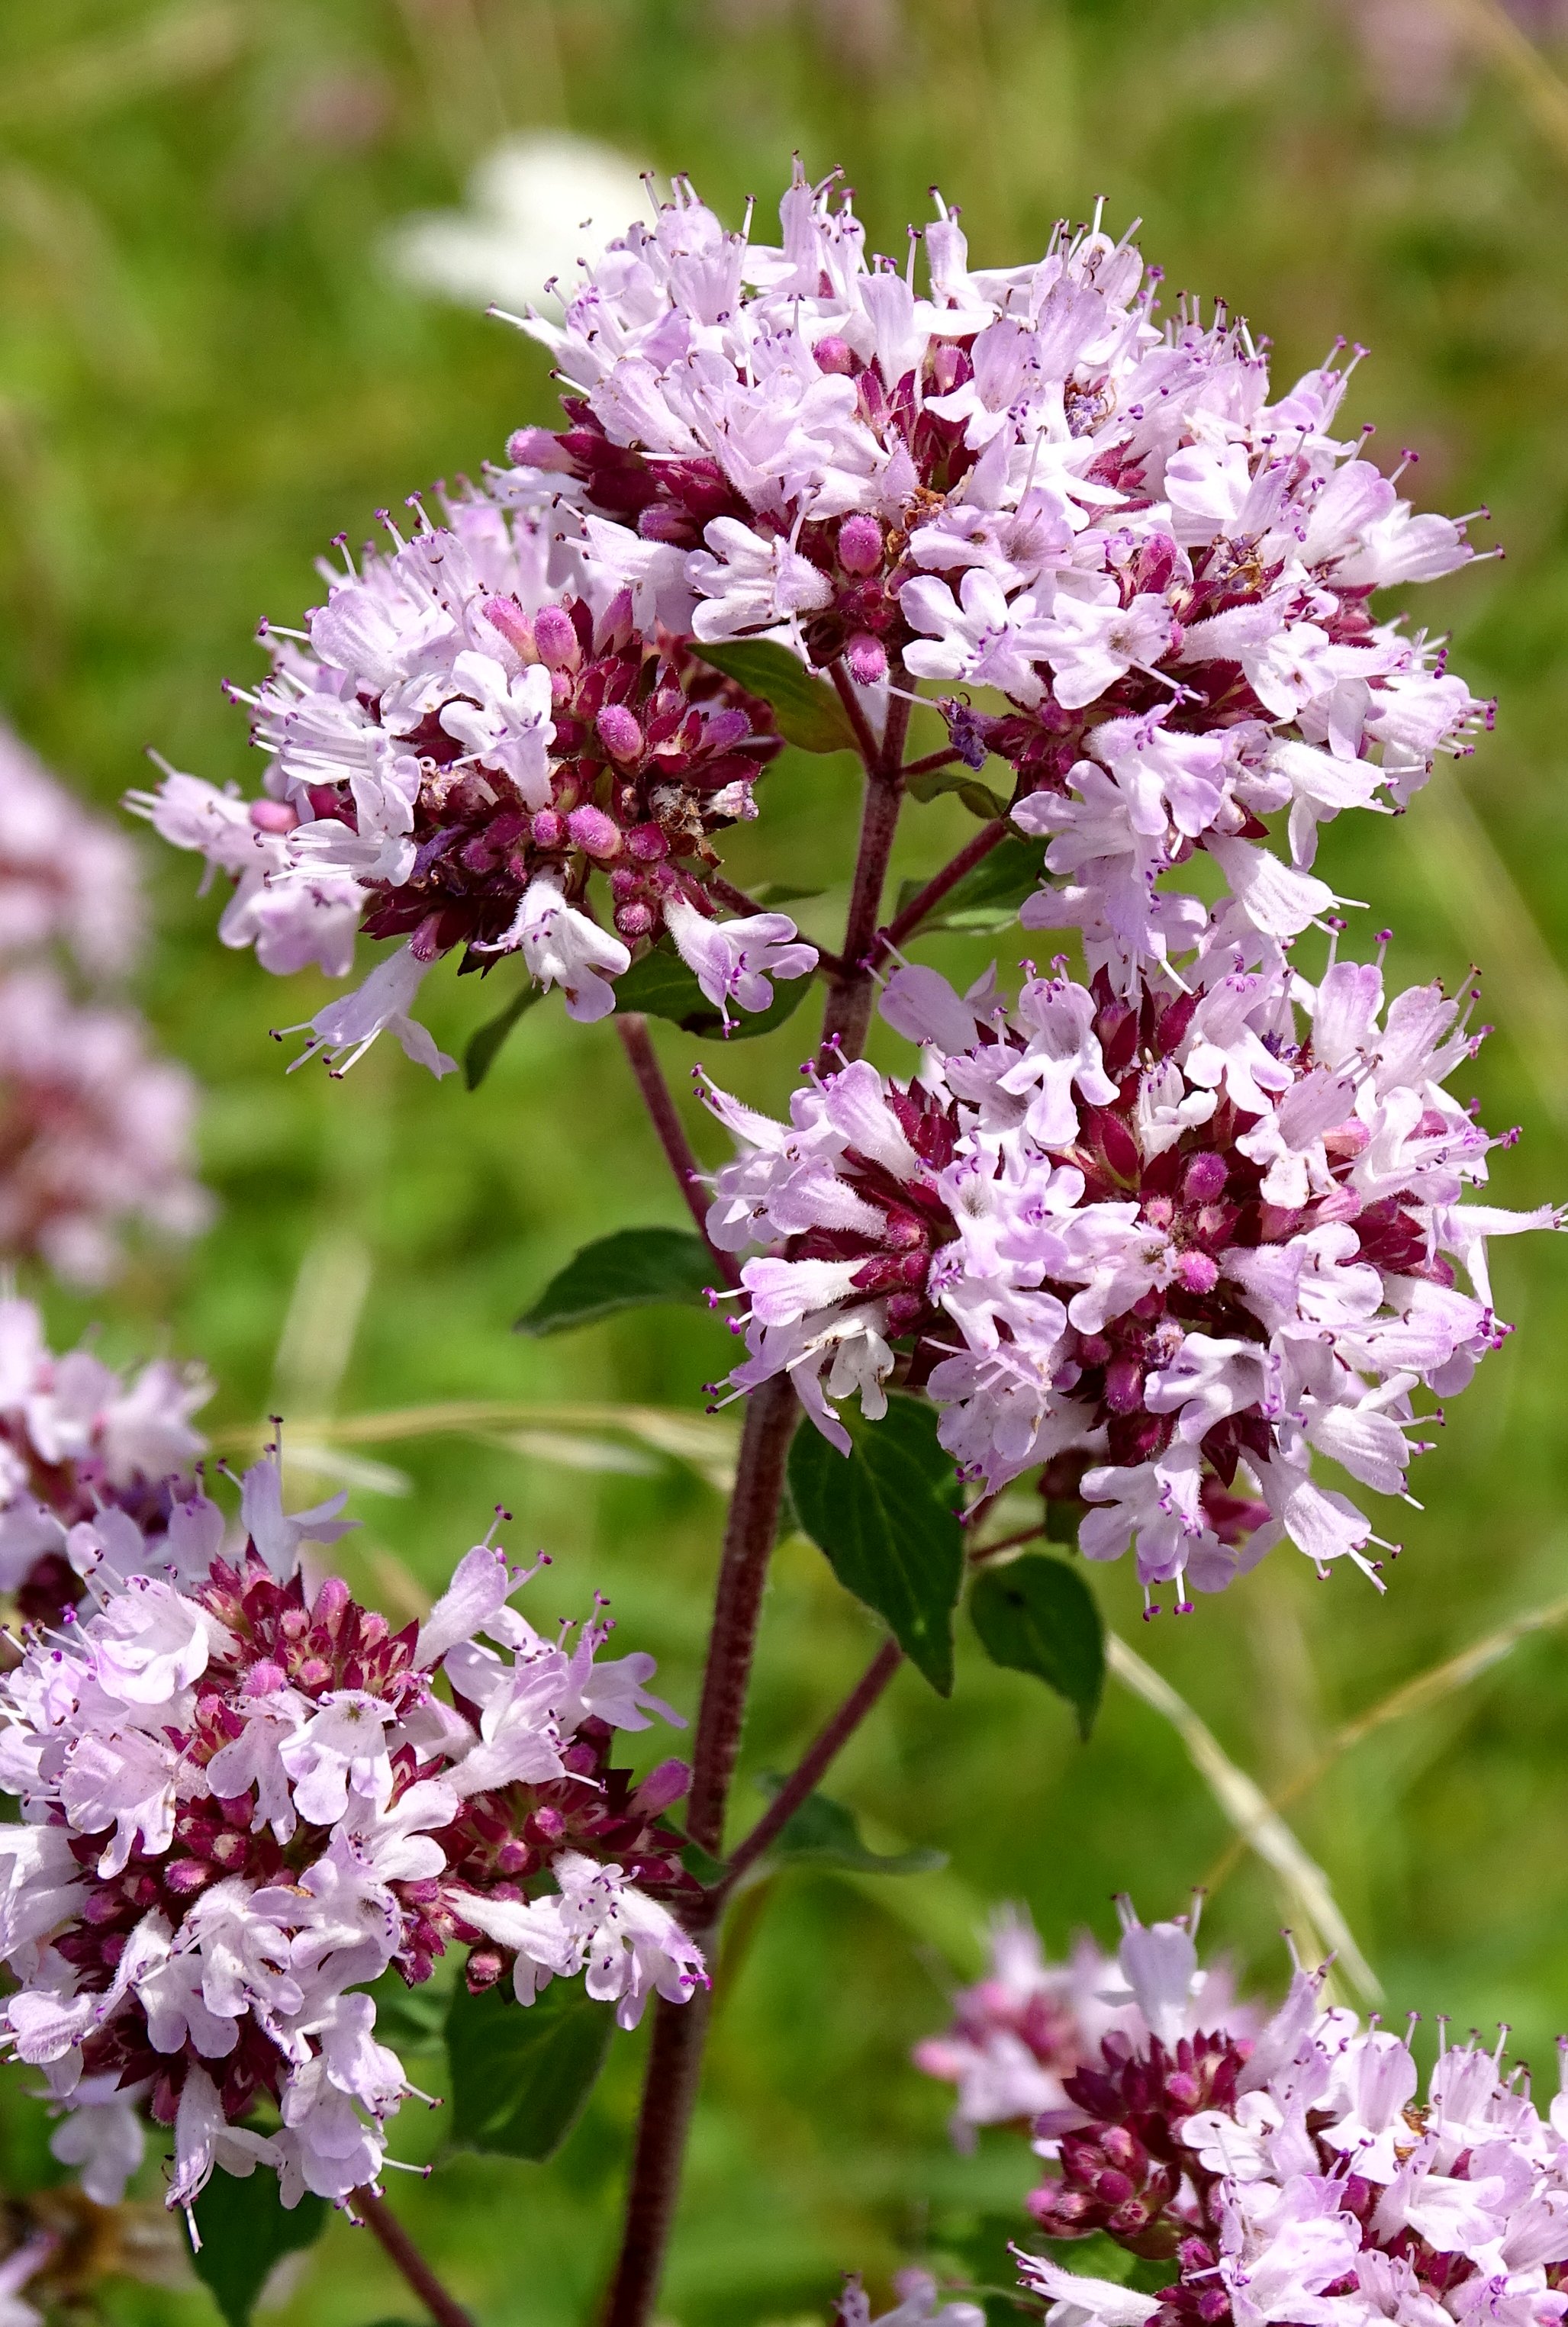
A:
(808, 709)
(1038, 1615)
(660, 986)
(700, 1863)
(989, 894)
(886, 1518)
(628, 1270)
(245, 2228)
(521, 2074)
(822, 1833)
(482, 1047)
(977, 798)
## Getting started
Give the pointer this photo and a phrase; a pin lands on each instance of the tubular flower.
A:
(92, 1464)
(1171, 1246)
(95, 1133)
(1029, 2024)
(1295, 2173)
(242, 1803)
(477, 746)
(1021, 479)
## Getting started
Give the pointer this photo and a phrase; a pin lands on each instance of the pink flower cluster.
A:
(499, 734)
(1172, 1244)
(242, 1801)
(475, 731)
(91, 1464)
(1021, 480)
(1029, 2025)
(95, 1132)
(1298, 2172)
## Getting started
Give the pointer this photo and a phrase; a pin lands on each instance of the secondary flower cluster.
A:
(1170, 1244)
(1298, 2173)
(500, 734)
(92, 1464)
(475, 730)
(1018, 2033)
(95, 1132)
(242, 1801)
(1021, 480)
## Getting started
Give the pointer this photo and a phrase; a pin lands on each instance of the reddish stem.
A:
(903, 924)
(823, 1750)
(632, 1029)
(929, 766)
(865, 741)
(384, 2226)
(675, 2059)
(848, 1013)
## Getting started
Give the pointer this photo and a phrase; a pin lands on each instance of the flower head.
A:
(1173, 1245)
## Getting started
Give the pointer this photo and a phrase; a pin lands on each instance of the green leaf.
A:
(989, 894)
(822, 1833)
(482, 1047)
(708, 1869)
(1038, 1615)
(522, 2073)
(628, 1270)
(886, 1518)
(661, 986)
(807, 708)
(245, 2228)
(977, 798)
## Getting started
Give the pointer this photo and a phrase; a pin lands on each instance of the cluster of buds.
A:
(242, 1801)
(1171, 1245)
(1294, 2171)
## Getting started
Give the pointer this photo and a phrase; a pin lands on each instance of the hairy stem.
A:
(674, 2059)
(384, 2226)
(973, 852)
(849, 996)
(823, 1751)
(632, 1029)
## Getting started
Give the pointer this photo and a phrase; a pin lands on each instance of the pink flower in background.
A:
(95, 1133)
(69, 880)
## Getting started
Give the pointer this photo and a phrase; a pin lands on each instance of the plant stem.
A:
(847, 1016)
(384, 2225)
(929, 765)
(865, 740)
(823, 1750)
(675, 2058)
(643, 1059)
(905, 923)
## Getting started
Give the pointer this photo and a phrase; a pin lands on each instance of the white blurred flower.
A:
(536, 204)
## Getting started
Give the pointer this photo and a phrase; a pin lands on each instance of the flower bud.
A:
(556, 639)
(593, 832)
(634, 920)
(663, 1784)
(549, 829)
(505, 615)
(619, 732)
(867, 658)
(648, 843)
(1197, 1271)
(273, 815)
(860, 544)
(833, 354)
(1124, 1385)
(1204, 1178)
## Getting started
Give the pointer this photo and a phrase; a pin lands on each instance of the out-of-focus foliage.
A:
(204, 374)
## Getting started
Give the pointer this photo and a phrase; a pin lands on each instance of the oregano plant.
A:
(1178, 1231)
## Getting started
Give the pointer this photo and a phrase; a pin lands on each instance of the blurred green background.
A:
(206, 370)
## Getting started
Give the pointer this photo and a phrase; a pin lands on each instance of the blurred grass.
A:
(203, 375)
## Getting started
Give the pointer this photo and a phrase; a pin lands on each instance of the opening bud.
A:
(593, 832)
(556, 639)
(867, 658)
(505, 615)
(833, 354)
(619, 732)
(860, 544)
